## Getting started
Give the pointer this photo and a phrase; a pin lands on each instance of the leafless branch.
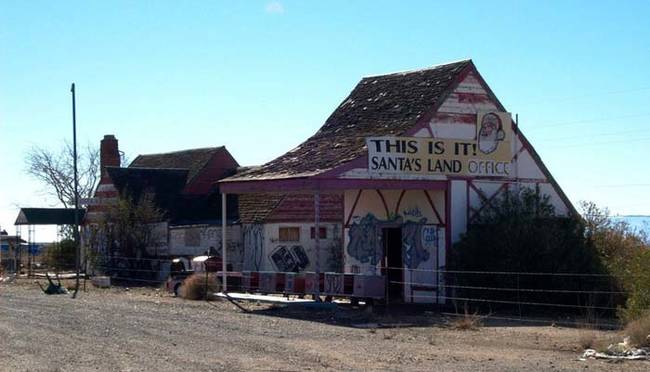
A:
(55, 171)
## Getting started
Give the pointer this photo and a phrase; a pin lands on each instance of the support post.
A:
(516, 152)
(317, 240)
(224, 277)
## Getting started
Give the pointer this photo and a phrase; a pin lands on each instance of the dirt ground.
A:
(145, 329)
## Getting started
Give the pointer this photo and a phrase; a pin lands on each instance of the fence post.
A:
(519, 297)
(224, 266)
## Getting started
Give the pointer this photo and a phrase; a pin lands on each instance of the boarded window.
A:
(289, 234)
(322, 233)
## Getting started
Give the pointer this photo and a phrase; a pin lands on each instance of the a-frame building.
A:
(389, 182)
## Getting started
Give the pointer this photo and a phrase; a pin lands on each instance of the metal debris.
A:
(620, 351)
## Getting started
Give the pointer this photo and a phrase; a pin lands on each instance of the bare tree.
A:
(125, 242)
(55, 170)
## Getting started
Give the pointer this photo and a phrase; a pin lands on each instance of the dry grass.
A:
(639, 331)
(194, 287)
(590, 339)
(467, 322)
(587, 340)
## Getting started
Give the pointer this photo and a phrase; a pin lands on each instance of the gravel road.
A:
(142, 329)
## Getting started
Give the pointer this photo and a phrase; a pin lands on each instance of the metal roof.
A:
(47, 216)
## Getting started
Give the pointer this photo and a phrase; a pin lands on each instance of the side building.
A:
(181, 185)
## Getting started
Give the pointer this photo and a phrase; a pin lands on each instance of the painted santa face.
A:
(490, 133)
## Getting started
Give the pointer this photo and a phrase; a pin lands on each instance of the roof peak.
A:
(135, 167)
(406, 72)
(187, 150)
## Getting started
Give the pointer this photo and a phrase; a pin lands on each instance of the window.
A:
(289, 234)
(322, 233)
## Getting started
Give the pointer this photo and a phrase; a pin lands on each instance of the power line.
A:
(600, 143)
(642, 131)
(580, 122)
(625, 185)
(579, 97)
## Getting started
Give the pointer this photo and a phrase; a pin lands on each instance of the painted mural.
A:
(365, 240)
(418, 239)
(415, 236)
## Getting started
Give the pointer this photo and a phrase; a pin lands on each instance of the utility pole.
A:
(76, 193)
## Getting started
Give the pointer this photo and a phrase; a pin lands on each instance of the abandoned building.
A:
(181, 185)
(385, 187)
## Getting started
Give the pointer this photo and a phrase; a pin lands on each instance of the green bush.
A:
(635, 279)
(625, 253)
(520, 232)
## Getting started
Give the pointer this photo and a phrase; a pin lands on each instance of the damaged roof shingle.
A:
(254, 208)
(193, 160)
(378, 106)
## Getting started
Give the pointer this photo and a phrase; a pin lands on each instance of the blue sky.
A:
(261, 76)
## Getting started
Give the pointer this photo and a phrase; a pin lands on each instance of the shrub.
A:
(636, 281)
(639, 331)
(587, 340)
(625, 253)
(194, 286)
(467, 322)
(520, 232)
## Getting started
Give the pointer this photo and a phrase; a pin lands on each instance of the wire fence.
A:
(591, 299)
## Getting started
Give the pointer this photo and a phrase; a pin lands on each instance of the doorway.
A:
(392, 238)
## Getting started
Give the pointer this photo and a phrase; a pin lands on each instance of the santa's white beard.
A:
(487, 144)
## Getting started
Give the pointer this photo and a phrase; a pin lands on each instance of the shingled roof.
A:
(193, 160)
(378, 106)
(254, 208)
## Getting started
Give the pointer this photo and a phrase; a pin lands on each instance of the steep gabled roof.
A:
(378, 106)
(193, 160)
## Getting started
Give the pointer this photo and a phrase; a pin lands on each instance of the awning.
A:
(48, 216)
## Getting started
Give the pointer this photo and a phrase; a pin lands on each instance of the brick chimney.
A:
(109, 155)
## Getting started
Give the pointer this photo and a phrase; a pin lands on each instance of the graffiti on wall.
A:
(253, 246)
(419, 240)
(289, 259)
(199, 240)
(414, 212)
(334, 283)
(194, 239)
(365, 241)
(335, 250)
(416, 242)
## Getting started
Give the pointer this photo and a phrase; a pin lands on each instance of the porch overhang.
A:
(311, 184)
